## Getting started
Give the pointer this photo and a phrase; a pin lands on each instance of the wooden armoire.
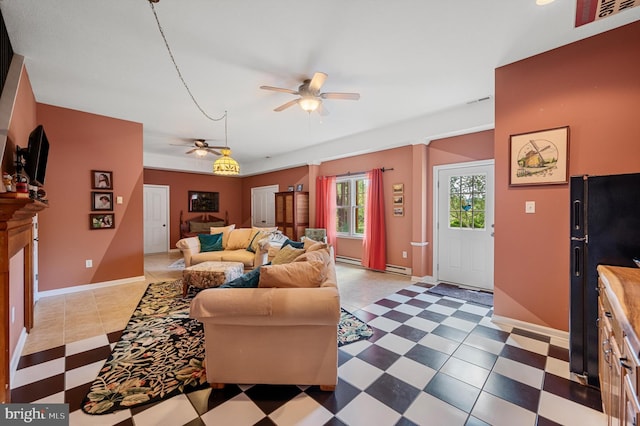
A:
(292, 213)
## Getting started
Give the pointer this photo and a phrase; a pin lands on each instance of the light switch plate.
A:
(530, 207)
(119, 199)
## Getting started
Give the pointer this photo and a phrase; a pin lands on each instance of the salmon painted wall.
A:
(398, 227)
(81, 142)
(593, 87)
(282, 178)
(181, 183)
(23, 121)
(456, 149)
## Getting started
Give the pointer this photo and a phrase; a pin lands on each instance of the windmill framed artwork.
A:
(539, 158)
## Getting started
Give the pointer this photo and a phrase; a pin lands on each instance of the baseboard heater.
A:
(403, 270)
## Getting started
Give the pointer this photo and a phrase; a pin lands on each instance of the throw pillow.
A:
(224, 230)
(210, 242)
(321, 255)
(317, 246)
(238, 239)
(286, 255)
(293, 275)
(255, 240)
(248, 280)
(308, 242)
(294, 244)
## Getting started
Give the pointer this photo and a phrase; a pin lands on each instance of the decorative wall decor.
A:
(398, 189)
(101, 200)
(539, 158)
(299, 187)
(101, 179)
(200, 201)
(102, 221)
(290, 188)
(398, 200)
(398, 211)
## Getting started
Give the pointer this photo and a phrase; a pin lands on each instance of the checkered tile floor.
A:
(432, 360)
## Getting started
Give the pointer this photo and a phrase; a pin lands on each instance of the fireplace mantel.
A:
(16, 233)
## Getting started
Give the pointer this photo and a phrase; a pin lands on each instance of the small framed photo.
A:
(299, 187)
(102, 221)
(398, 211)
(398, 188)
(101, 200)
(290, 188)
(539, 158)
(398, 200)
(101, 179)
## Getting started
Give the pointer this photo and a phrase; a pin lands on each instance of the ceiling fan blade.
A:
(317, 81)
(191, 151)
(287, 105)
(334, 95)
(213, 151)
(280, 89)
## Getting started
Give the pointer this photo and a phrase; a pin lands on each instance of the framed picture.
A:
(290, 188)
(398, 200)
(204, 201)
(539, 158)
(101, 200)
(102, 221)
(398, 188)
(398, 211)
(101, 179)
(299, 187)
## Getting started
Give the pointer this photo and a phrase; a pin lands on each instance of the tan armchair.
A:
(271, 335)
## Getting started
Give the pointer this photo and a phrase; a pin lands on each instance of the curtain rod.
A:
(361, 173)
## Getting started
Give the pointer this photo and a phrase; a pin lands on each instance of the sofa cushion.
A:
(286, 255)
(206, 256)
(320, 254)
(245, 257)
(238, 239)
(224, 230)
(210, 242)
(248, 280)
(293, 275)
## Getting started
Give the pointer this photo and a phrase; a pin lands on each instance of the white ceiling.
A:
(416, 64)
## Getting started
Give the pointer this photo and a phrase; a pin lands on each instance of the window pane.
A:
(343, 196)
(467, 183)
(478, 220)
(342, 219)
(466, 220)
(359, 228)
(454, 219)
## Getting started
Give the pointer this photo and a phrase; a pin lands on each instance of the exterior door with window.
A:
(465, 224)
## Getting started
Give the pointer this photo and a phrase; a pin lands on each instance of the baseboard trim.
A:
(85, 287)
(553, 332)
(394, 269)
(17, 353)
(427, 279)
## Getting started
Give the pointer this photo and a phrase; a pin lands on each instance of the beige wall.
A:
(593, 87)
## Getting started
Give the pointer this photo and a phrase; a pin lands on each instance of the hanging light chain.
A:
(175, 64)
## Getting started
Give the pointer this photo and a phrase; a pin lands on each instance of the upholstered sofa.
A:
(246, 245)
(274, 335)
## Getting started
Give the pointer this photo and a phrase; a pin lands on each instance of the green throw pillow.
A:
(210, 242)
(248, 280)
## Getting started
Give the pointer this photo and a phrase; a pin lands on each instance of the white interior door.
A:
(263, 205)
(156, 218)
(465, 215)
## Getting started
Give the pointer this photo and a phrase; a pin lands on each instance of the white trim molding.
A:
(17, 353)
(559, 334)
(94, 286)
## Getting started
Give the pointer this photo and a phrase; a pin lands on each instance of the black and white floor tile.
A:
(432, 361)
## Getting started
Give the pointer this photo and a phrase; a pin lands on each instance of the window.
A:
(467, 195)
(350, 204)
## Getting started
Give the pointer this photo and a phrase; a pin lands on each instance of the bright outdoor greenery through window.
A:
(467, 197)
(350, 202)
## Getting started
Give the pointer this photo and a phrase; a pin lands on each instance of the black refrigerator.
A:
(605, 229)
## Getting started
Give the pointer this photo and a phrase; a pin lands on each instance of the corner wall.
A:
(593, 87)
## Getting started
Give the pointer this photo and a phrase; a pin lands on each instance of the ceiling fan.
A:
(310, 96)
(202, 148)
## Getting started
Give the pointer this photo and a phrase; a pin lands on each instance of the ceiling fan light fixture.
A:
(543, 2)
(201, 152)
(308, 103)
(225, 165)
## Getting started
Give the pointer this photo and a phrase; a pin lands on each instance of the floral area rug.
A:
(161, 352)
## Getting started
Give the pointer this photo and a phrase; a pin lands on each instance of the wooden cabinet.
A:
(619, 360)
(292, 213)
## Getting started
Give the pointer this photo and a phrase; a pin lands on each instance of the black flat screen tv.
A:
(36, 157)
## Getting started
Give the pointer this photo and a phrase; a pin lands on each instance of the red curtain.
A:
(326, 207)
(374, 244)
